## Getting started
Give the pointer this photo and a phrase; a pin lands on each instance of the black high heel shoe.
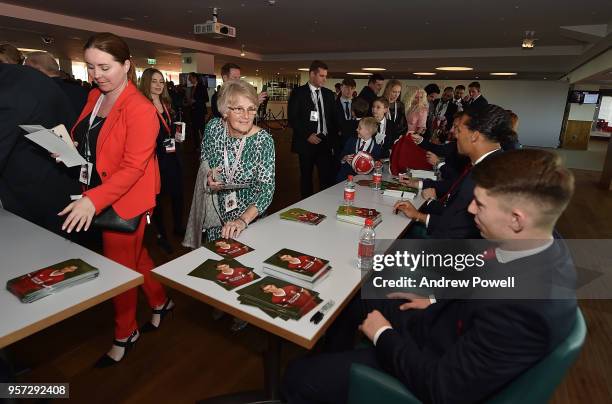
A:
(149, 327)
(106, 361)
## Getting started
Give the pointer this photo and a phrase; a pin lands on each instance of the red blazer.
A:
(125, 154)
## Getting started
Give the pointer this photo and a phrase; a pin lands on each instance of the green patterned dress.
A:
(256, 168)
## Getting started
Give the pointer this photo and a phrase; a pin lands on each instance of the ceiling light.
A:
(242, 50)
(374, 69)
(28, 50)
(359, 74)
(424, 74)
(503, 74)
(454, 68)
(304, 69)
(243, 77)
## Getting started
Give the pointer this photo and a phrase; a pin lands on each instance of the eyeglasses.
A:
(243, 111)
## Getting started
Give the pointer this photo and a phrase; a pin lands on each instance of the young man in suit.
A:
(312, 117)
(344, 117)
(387, 132)
(370, 92)
(229, 71)
(444, 109)
(479, 133)
(464, 350)
(477, 100)
(458, 97)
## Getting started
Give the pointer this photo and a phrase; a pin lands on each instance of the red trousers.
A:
(127, 250)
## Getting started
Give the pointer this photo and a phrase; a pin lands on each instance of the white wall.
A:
(539, 104)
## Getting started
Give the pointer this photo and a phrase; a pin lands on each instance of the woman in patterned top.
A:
(238, 152)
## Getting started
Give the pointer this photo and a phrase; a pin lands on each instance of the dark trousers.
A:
(324, 378)
(319, 155)
(171, 175)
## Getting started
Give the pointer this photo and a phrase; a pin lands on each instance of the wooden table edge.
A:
(69, 312)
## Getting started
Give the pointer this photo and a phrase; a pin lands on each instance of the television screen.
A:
(590, 97)
(583, 97)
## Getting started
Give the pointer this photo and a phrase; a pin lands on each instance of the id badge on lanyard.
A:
(231, 199)
(86, 169)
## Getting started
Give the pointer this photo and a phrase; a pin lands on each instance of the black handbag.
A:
(110, 220)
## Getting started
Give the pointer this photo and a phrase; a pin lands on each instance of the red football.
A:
(363, 163)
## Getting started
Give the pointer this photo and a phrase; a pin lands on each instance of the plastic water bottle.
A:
(367, 243)
(349, 191)
(377, 177)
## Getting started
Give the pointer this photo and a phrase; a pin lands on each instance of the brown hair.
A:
(360, 107)
(384, 101)
(114, 46)
(225, 69)
(349, 82)
(10, 55)
(145, 87)
(534, 174)
(316, 65)
(389, 87)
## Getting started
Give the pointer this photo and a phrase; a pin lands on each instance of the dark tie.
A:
(378, 127)
(362, 145)
(320, 107)
(456, 184)
(347, 111)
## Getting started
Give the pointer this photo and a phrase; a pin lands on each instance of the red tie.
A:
(447, 195)
(489, 254)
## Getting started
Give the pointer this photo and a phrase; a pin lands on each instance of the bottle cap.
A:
(369, 222)
(350, 178)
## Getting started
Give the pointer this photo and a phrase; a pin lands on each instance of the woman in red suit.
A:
(116, 133)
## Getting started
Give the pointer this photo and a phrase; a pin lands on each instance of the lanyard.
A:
(164, 120)
(230, 173)
(394, 112)
(91, 126)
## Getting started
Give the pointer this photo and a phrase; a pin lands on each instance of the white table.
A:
(26, 247)
(331, 239)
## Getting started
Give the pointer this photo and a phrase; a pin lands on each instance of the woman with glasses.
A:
(241, 157)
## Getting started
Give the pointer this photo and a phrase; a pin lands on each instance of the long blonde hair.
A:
(422, 105)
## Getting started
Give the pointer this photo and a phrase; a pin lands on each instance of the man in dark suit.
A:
(32, 184)
(444, 109)
(370, 92)
(387, 132)
(343, 109)
(312, 116)
(44, 62)
(479, 133)
(477, 100)
(229, 71)
(466, 350)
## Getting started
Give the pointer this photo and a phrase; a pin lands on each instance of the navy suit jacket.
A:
(452, 220)
(349, 148)
(464, 351)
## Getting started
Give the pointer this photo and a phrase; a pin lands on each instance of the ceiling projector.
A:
(214, 29)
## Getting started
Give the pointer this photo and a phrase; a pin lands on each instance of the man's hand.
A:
(429, 193)
(410, 211)
(411, 182)
(373, 322)
(313, 139)
(414, 301)
(432, 158)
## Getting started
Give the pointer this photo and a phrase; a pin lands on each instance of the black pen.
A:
(318, 316)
